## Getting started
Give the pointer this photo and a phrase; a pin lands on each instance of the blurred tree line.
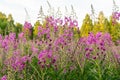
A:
(8, 25)
(102, 24)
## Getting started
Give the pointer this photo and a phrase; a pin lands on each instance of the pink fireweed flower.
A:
(87, 55)
(116, 15)
(54, 23)
(100, 42)
(46, 31)
(94, 57)
(98, 35)
(46, 56)
(27, 28)
(42, 54)
(35, 50)
(91, 39)
(71, 24)
(107, 36)
(55, 28)
(0, 37)
(49, 54)
(39, 34)
(48, 36)
(21, 35)
(66, 19)
(6, 37)
(15, 45)
(24, 40)
(117, 56)
(24, 59)
(59, 21)
(49, 19)
(90, 49)
(17, 62)
(27, 25)
(54, 59)
(68, 33)
(86, 49)
(5, 44)
(118, 42)
(39, 28)
(12, 36)
(75, 22)
(18, 65)
(16, 52)
(4, 77)
(59, 41)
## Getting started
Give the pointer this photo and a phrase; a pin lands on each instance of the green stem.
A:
(99, 71)
(35, 70)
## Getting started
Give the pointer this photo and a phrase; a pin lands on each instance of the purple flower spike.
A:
(27, 25)
(75, 23)
(88, 55)
(4, 77)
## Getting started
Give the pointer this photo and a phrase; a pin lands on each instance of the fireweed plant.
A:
(58, 52)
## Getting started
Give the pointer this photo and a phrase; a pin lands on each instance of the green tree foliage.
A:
(36, 25)
(114, 30)
(87, 26)
(102, 24)
(99, 26)
(107, 26)
(6, 24)
(3, 23)
(101, 21)
(10, 24)
(18, 28)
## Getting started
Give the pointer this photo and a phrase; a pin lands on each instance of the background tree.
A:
(10, 24)
(114, 29)
(101, 21)
(87, 26)
(102, 25)
(36, 25)
(3, 23)
(18, 28)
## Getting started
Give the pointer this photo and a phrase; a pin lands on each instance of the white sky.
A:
(16, 7)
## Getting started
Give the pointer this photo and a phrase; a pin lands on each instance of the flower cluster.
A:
(46, 58)
(115, 17)
(55, 51)
(27, 29)
(4, 77)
